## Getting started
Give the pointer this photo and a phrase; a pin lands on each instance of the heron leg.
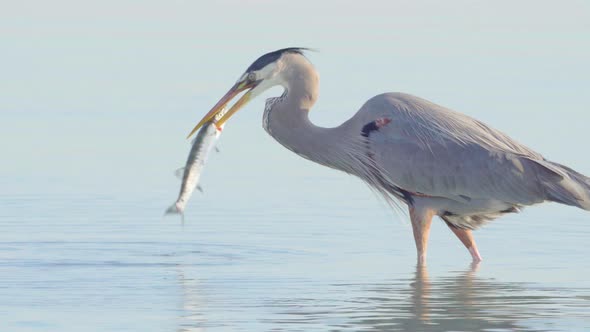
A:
(421, 219)
(466, 237)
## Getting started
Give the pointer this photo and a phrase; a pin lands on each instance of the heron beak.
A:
(218, 108)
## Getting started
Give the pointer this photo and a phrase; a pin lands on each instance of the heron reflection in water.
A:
(454, 301)
(436, 161)
(460, 301)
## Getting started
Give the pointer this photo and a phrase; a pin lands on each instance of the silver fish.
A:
(202, 146)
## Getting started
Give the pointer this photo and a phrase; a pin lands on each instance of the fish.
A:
(203, 144)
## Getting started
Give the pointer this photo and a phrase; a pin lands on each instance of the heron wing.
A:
(432, 150)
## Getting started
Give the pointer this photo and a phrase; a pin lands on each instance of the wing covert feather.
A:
(431, 150)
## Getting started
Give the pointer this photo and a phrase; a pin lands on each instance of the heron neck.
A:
(287, 120)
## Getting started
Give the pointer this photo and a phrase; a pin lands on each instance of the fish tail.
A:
(174, 209)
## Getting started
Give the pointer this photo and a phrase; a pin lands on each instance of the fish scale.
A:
(202, 146)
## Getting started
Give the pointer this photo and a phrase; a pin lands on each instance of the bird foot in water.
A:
(475, 254)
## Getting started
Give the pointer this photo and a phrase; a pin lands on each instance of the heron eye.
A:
(251, 77)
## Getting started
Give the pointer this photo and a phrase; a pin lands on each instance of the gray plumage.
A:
(437, 161)
(470, 172)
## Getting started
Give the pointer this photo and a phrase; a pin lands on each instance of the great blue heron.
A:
(437, 161)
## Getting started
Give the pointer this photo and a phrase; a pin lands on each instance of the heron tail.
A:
(570, 188)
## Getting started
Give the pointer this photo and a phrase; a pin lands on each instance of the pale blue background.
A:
(96, 99)
(101, 92)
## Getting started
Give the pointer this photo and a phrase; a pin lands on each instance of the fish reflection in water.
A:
(192, 318)
(459, 302)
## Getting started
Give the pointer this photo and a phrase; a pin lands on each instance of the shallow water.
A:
(98, 96)
(114, 264)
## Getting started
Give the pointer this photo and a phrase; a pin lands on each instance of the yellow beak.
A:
(215, 113)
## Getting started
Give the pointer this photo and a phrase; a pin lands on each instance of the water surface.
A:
(114, 264)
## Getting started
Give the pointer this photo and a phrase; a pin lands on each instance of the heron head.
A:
(261, 75)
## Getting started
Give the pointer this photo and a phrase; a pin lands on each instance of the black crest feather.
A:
(274, 56)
